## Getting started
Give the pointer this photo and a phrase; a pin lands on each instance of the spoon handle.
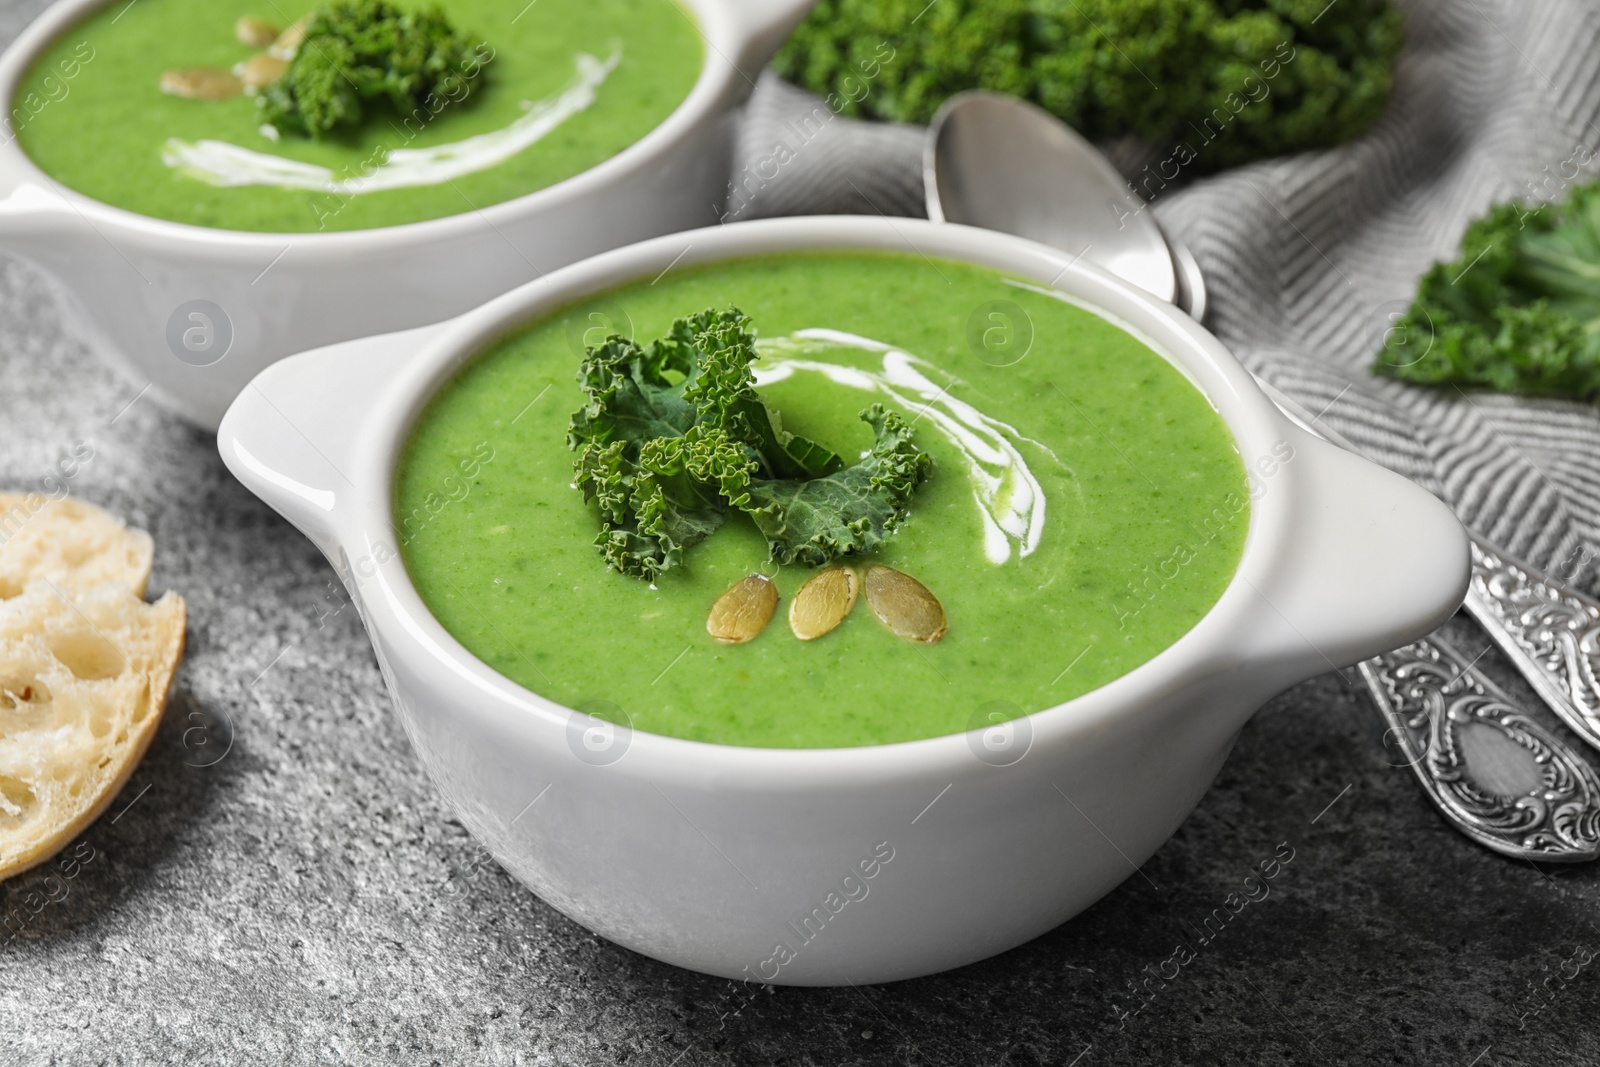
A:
(1532, 797)
(1551, 632)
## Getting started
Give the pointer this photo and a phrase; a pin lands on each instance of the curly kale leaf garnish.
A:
(724, 392)
(673, 438)
(1517, 311)
(357, 52)
(668, 495)
(629, 393)
(848, 512)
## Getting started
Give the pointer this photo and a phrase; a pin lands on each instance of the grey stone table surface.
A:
(280, 883)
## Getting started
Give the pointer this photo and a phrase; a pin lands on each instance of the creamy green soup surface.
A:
(571, 84)
(1086, 507)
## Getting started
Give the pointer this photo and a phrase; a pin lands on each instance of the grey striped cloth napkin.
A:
(1306, 255)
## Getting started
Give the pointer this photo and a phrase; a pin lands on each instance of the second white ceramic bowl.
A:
(865, 864)
(134, 282)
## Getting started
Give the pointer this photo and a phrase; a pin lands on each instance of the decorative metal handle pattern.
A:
(1429, 694)
(1551, 632)
(1431, 698)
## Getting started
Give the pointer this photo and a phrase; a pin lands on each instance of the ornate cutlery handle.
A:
(1433, 699)
(1551, 632)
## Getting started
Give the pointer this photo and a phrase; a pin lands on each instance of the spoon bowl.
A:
(1001, 163)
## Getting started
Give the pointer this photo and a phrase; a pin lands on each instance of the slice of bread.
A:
(83, 681)
(75, 545)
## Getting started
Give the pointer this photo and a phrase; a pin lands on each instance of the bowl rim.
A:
(395, 609)
(719, 35)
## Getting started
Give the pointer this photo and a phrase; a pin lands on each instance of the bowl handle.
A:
(761, 26)
(291, 435)
(1371, 561)
(13, 166)
(29, 211)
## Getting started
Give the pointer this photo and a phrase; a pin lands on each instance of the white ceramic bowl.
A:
(129, 277)
(711, 856)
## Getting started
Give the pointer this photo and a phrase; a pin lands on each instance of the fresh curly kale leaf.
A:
(630, 392)
(356, 52)
(848, 512)
(1517, 311)
(673, 438)
(671, 495)
(1229, 80)
(650, 508)
(724, 392)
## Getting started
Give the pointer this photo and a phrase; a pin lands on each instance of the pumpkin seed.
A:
(905, 605)
(255, 31)
(201, 83)
(260, 71)
(292, 38)
(822, 603)
(744, 610)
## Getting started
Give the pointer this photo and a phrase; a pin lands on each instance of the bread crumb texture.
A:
(85, 668)
(73, 544)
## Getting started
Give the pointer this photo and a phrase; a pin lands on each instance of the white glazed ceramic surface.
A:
(712, 857)
(128, 276)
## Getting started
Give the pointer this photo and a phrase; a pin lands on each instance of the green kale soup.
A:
(557, 87)
(1081, 507)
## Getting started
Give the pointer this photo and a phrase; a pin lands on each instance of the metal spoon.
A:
(994, 161)
(997, 162)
